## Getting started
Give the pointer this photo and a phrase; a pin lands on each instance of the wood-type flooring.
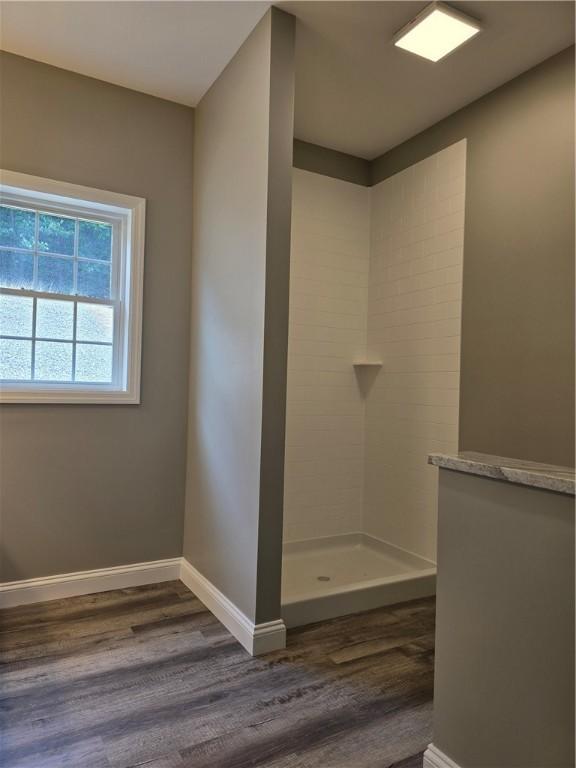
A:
(148, 677)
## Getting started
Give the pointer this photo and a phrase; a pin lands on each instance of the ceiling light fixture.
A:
(436, 31)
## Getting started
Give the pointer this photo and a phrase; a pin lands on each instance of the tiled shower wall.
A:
(414, 308)
(323, 485)
(381, 269)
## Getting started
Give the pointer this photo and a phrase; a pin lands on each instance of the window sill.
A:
(62, 396)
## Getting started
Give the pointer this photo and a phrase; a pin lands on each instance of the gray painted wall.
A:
(517, 369)
(242, 182)
(95, 486)
(329, 162)
(277, 299)
(504, 668)
(85, 486)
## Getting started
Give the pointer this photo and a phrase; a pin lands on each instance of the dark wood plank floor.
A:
(147, 677)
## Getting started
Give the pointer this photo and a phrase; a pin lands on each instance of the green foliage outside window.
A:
(58, 235)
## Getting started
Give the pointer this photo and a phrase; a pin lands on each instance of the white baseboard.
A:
(256, 638)
(15, 593)
(435, 758)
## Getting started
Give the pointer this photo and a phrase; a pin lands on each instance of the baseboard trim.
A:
(16, 593)
(256, 638)
(435, 758)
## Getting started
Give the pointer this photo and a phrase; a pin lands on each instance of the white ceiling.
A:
(358, 93)
(170, 49)
(355, 91)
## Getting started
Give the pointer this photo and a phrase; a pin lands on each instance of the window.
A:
(71, 267)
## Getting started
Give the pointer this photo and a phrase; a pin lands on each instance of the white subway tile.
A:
(377, 269)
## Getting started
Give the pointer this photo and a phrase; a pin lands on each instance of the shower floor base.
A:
(337, 575)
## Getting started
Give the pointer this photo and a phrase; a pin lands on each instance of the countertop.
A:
(547, 476)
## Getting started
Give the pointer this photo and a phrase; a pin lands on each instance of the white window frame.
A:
(127, 214)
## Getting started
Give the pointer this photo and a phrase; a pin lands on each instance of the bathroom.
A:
(314, 507)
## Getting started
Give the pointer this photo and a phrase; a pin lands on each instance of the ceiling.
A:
(358, 93)
(355, 91)
(170, 49)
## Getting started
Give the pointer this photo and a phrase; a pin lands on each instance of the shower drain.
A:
(323, 578)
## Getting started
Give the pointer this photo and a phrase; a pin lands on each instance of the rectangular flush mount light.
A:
(436, 31)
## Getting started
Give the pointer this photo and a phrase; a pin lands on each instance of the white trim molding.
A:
(435, 758)
(256, 638)
(15, 593)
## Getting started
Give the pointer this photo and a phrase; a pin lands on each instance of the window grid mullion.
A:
(75, 291)
(33, 358)
(52, 254)
(58, 341)
(35, 254)
(74, 325)
(58, 296)
(75, 265)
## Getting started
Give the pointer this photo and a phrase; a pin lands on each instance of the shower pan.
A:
(336, 575)
(373, 382)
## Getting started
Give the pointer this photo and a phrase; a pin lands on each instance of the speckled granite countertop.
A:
(547, 476)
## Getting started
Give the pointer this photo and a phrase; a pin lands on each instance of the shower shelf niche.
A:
(367, 364)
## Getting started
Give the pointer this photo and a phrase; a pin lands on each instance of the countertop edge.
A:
(544, 477)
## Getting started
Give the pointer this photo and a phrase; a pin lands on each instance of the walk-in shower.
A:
(373, 378)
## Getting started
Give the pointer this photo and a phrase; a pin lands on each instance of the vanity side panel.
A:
(504, 679)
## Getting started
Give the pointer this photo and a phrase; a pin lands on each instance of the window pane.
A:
(16, 315)
(94, 322)
(93, 363)
(55, 275)
(15, 359)
(94, 279)
(56, 234)
(55, 319)
(17, 227)
(16, 269)
(53, 361)
(94, 240)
